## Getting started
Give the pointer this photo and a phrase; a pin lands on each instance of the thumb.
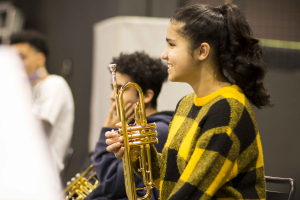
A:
(119, 125)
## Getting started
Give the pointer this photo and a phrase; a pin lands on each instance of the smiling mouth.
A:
(170, 66)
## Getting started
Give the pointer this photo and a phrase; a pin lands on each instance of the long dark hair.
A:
(237, 52)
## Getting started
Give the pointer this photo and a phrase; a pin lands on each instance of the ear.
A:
(203, 51)
(148, 95)
(41, 59)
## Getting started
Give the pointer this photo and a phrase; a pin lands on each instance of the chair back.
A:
(279, 195)
(11, 21)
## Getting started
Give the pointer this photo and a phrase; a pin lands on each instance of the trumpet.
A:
(82, 184)
(140, 135)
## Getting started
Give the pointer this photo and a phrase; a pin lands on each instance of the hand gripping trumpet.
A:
(139, 135)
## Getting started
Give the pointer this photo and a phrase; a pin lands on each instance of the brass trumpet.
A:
(82, 184)
(139, 135)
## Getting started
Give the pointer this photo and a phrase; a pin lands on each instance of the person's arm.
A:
(109, 169)
(162, 135)
(162, 129)
(110, 173)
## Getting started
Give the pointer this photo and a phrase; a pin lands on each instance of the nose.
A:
(164, 54)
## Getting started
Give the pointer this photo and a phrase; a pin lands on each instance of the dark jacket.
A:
(110, 169)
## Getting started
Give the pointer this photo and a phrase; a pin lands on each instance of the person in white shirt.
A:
(27, 170)
(53, 102)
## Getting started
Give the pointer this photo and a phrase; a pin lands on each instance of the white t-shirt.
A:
(27, 171)
(53, 103)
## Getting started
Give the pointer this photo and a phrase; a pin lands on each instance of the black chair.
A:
(279, 195)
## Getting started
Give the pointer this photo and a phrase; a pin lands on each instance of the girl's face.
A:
(181, 64)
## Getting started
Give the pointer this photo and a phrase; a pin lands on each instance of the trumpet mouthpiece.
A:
(112, 67)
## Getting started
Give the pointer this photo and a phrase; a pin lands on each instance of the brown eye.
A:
(171, 44)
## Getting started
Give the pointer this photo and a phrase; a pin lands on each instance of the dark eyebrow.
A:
(169, 40)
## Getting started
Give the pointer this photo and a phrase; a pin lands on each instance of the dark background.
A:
(68, 24)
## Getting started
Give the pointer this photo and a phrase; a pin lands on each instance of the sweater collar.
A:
(200, 101)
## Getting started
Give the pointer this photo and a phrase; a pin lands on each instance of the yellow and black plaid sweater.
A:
(213, 150)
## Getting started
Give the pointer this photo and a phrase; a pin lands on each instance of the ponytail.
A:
(237, 53)
(243, 57)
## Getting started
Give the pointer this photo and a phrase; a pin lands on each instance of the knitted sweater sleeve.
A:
(220, 148)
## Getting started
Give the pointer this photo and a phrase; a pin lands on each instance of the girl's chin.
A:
(172, 78)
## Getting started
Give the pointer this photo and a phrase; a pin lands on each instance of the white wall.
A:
(126, 34)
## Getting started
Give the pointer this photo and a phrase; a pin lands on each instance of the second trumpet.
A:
(140, 135)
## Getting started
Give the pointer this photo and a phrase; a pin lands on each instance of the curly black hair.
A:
(147, 72)
(237, 52)
(35, 39)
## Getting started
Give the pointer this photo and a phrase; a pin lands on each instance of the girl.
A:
(213, 149)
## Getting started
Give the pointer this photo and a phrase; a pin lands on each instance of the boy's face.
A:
(130, 95)
(32, 59)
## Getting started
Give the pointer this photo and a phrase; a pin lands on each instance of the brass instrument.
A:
(82, 184)
(139, 135)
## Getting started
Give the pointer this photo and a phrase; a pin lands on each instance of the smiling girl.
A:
(213, 149)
